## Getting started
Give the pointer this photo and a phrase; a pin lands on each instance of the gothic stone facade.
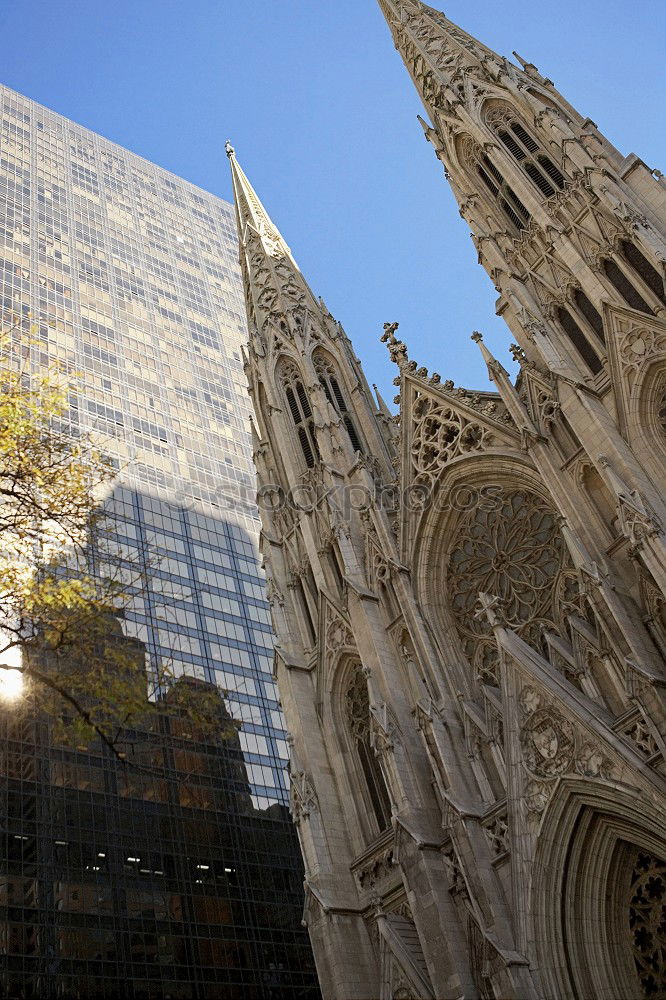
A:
(469, 598)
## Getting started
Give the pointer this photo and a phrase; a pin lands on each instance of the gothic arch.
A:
(336, 391)
(523, 147)
(647, 417)
(298, 407)
(599, 878)
(495, 528)
(351, 719)
(495, 188)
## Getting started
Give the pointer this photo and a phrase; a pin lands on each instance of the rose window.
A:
(512, 550)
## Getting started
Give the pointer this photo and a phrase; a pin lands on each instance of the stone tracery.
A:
(511, 548)
(441, 434)
(357, 711)
(647, 922)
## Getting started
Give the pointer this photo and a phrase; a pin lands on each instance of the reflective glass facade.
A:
(164, 882)
(130, 276)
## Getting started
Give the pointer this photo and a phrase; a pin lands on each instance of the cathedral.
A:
(469, 597)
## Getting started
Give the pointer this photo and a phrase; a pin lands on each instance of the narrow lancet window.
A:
(621, 283)
(357, 708)
(579, 340)
(330, 383)
(644, 269)
(301, 412)
(539, 167)
(591, 314)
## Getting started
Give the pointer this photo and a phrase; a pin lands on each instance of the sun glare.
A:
(11, 685)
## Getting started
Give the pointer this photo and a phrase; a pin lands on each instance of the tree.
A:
(60, 639)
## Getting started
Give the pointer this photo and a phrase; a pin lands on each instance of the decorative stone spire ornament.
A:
(397, 348)
(500, 376)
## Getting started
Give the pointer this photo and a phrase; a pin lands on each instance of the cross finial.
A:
(229, 149)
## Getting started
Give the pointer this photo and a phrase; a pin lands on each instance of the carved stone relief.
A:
(497, 832)
(637, 343)
(645, 923)
(551, 747)
(376, 870)
(439, 435)
(515, 551)
(303, 798)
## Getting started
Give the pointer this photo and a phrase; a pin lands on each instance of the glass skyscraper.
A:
(129, 277)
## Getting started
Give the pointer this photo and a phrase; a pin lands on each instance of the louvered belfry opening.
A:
(643, 268)
(330, 383)
(627, 290)
(301, 412)
(503, 193)
(579, 340)
(591, 314)
(524, 148)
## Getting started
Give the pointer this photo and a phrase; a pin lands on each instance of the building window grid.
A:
(102, 236)
(144, 890)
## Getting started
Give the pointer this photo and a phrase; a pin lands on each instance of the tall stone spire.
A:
(249, 210)
(278, 296)
(291, 332)
(438, 54)
(448, 761)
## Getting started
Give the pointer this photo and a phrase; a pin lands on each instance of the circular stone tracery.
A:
(508, 546)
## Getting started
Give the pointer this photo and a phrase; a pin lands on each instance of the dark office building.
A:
(155, 878)
(182, 879)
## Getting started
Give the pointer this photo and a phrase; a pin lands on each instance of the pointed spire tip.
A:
(525, 63)
(229, 149)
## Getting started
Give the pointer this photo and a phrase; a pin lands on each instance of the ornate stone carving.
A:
(512, 549)
(383, 729)
(439, 435)
(376, 870)
(537, 795)
(547, 742)
(647, 898)
(456, 879)
(592, 763)
(640, 736)
(338, 635)
(497, 832)
(551, 747)
(637, 343)
(302, 795)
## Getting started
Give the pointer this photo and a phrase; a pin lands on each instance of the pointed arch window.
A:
(579, 340)
(330, 383)
(503, 193)
(301, 412)
(357, 711)
(621, 283)
(539, 167)
(643, 268)
(473, 157)
(308, 620)
(591, 314)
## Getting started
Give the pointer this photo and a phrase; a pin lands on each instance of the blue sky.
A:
(323, 117)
